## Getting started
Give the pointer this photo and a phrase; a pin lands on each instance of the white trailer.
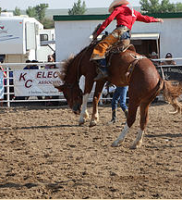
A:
(21, 39)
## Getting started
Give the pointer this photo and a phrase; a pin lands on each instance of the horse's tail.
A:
(171, 92)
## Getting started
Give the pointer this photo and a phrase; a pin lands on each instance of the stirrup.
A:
(100, 76)
(102, 73)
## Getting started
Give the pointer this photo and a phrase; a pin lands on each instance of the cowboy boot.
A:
(113, 120)
(102, 70)
(126, 113)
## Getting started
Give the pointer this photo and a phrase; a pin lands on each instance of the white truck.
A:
(23, 38)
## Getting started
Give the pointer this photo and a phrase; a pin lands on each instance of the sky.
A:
(56, 4)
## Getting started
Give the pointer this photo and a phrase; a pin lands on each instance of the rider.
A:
(125, 16)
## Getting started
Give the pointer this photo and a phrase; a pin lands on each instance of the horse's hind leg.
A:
(130, 120)
(121, 137)
(144, 107)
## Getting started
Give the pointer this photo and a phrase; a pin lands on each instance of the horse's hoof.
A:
(136, 146)
(133, 147)
(92, 123)
(81, 122)
(174, 112)
(116, 144)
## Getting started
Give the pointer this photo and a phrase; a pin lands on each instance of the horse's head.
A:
(70, 77)
(73, 95)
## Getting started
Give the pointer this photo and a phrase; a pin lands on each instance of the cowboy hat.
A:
(117, 3)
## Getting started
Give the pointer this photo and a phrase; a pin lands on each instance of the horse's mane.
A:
(67, 63)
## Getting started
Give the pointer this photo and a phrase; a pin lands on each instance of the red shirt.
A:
(126, 17)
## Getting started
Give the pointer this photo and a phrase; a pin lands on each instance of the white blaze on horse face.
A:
(121, 136)
(84, 108)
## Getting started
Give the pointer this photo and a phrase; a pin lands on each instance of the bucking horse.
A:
(126, 67)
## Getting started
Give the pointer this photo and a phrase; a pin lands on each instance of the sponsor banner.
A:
(171, 72)
(1, 85)
(36, 82)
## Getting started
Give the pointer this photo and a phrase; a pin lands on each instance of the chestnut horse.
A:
(125, 68)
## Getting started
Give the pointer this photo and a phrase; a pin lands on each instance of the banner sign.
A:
(1, 85)
(171, 72)
(36, 82)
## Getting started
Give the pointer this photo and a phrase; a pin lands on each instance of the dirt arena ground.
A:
(45, 154)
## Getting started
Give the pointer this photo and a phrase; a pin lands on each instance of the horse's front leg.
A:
(84, 116)
(97, 94)
(95, 113)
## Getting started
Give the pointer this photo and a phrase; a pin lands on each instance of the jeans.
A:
(120, 93)
(102, 62)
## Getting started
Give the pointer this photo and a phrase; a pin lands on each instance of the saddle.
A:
(119, 48)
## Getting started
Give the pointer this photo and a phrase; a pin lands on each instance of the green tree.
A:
(166, 6)
(178, 7)
(48, 23)
(144, 5)
(31, 12)
(153, 6)
(40, 11)
(17, 12)
(2, 10)
(37, 12)
(79, 8)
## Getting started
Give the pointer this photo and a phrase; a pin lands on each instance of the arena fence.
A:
(9, 94)
(166, 71)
